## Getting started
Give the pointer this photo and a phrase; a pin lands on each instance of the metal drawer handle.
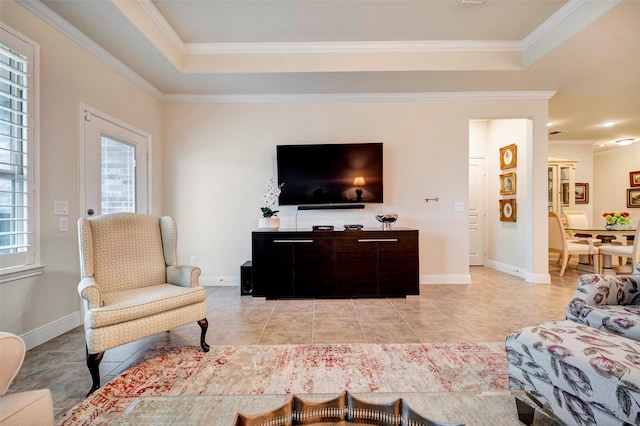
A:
(292, 241)
(378, 240)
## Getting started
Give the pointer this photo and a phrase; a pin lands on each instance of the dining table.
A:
(606, 235)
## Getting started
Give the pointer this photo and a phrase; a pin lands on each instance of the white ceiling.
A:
(588, 52)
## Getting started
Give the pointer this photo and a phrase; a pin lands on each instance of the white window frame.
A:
(29, 264)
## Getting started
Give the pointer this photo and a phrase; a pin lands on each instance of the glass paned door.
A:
(117, 176)
(114, 165)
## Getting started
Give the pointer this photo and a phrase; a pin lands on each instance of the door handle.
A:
(90, 212)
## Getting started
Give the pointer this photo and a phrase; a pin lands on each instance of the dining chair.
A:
(630, 251)
(565, 247)
(577, 219)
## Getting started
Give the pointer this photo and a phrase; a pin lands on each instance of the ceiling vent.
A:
(557, 132)
(469, 4)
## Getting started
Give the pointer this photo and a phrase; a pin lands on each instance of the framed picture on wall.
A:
(508, 183)
(508, 157)
(508, 210)
(633, 197)
(582, 193)
(634, 178)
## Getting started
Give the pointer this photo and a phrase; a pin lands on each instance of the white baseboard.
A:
(445, 279)
(537, 278)
(50, 331)
(519, 272)
(222, 281)
(507, 269)
(219, 281)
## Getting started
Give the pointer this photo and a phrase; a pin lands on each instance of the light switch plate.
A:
(60, 207)
(459, 207)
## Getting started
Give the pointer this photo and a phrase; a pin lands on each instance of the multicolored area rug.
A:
(298, 369)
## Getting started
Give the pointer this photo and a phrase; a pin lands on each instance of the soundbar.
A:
(330, 206)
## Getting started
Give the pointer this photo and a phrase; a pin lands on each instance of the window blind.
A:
(16, 152)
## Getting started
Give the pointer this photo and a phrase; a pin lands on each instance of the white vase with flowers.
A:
(270, 219)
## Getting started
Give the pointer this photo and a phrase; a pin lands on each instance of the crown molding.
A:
(354, 47)
(152, 11)
(552, 22)
(361, 97)
(62, 25)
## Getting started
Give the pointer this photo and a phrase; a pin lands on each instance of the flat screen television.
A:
(330, 174)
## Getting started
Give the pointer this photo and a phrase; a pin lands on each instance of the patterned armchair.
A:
(584, 369)
(132, 286)
(609, 303)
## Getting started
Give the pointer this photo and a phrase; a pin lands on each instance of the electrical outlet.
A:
(194, 260)
(63, 224)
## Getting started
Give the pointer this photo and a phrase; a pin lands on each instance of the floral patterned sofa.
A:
(584, 369)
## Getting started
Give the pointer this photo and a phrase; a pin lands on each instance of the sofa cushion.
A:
(623, 320)
(30, 408)
(128, 305)
(599, 368)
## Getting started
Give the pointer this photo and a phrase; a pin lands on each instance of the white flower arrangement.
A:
(271, 198)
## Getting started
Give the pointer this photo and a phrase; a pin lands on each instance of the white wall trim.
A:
(355, 47)
(426, 279)
(552, 22)
(519, 272)
(152, 11)
(52, 330)
(537, 278)
(363, 97)
(219, 280)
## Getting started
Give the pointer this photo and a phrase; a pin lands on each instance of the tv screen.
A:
(330, 173)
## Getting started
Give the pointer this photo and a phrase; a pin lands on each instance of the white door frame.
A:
(84, 111)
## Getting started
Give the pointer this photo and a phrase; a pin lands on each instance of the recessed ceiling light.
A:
(608, 123)
(624, 142)
(549, 124)
(601, 145)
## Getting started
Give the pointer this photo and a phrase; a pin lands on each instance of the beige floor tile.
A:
(378, 314)
(290, 322)
(379, 333)
(442, 336)
(283, 338)
(344, 312)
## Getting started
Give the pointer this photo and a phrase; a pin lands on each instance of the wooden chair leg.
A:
(204, 325)
(93, 363)
(526, 412)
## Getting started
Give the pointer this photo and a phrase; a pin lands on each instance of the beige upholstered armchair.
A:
(132, 286)
(33, 407)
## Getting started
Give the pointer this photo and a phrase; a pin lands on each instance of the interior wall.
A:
(41, 307)
(611, 181)
(225, 152)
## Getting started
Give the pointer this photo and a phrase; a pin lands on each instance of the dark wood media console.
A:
(335, 264)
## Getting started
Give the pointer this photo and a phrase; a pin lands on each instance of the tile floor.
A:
(484, 311)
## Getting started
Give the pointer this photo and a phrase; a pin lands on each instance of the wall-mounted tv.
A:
(330, 174)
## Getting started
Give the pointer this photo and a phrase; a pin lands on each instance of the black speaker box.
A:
(246, 279)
